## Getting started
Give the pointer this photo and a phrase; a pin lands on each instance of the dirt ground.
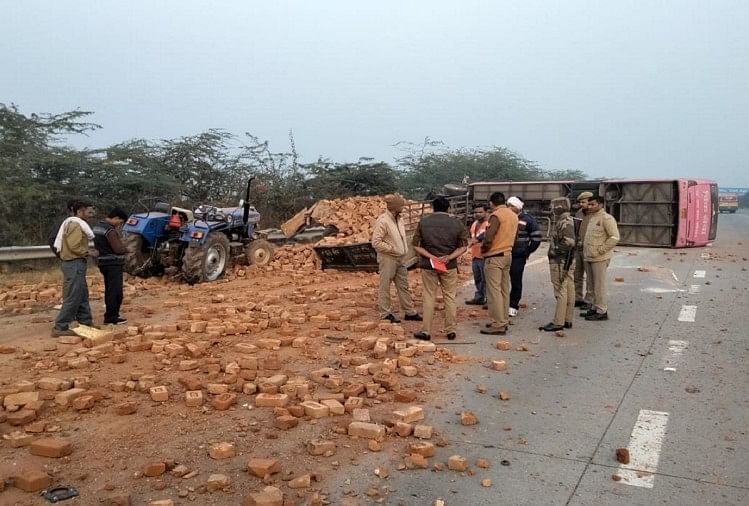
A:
(321, 319)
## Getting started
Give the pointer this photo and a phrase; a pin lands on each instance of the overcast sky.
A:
(628, 88)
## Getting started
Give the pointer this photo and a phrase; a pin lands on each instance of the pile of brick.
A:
(353, 217)
(295, 258)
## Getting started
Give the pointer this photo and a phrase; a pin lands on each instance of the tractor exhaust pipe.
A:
(246, 215)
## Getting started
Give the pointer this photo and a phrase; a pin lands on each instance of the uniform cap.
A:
(585, 196)
(515, 202)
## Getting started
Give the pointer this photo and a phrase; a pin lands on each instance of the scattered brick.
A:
(367, 430)
(83, 402)
(468, 418)
(223, 402)
(263, 467)
(220, 451)
(409, 415)
(483, 464)
(51, 447)
(503, 345)
(335, 407)
(269, 496)
(285, 422)
(159, 394)
(457, 463)
(319, 447)
(194, 398)
(622, 455)
(403, 429)
(32, 480)
(67, 397)
(154, 469)
(499, 365)
(217, 482)
(126, 408)
(423, 431)
(416, 461)
(504, 395)
(271, 400)
(423, 448)
(486, 483)
(21, 417)
(315, 409)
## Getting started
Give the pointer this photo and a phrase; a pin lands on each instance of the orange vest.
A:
(504, 239)
(476, 230)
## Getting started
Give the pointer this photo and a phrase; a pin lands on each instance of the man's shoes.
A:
(597, 317)
(451, 336)
(423, 336)
(416, 317)
(568, 325)
(550, 327)
(475, 302)
(580, 303)
(116, 321)
(493, 331)
(392, 318)
(61, 333)
(587, 313)
(513, 311)
(485, 306)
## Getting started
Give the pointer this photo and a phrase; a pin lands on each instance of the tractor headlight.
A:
(132, 221)
(196, 234)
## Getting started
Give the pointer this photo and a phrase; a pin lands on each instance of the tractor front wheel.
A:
(206, 262)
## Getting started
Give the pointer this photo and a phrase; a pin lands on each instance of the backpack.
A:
(52, 235)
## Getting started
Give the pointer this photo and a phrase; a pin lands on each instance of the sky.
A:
(650, 88)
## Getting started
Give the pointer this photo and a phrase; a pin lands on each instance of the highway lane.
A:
(666, 377)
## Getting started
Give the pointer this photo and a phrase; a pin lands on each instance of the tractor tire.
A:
(207, 262)
(260, 252)
(136, 260)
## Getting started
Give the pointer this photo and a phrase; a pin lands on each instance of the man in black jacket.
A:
(111, 261)
(527, 241)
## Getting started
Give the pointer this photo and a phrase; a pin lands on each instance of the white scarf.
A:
(82, 223)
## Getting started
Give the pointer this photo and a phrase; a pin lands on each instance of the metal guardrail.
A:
(20, 253)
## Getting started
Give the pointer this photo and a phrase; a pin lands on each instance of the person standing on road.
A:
(389, 240)
(439, 240)
(497, 251)
(72, 245)
(111, 261)
(561, 264)
(478, 228)
(581, 224)
(527, 241)
(601, 235)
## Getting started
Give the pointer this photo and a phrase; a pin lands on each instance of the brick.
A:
(268, 344)
(217, 388)
(220, 451)
(380, 350)
(499, 365)
(409, 371)
(361, 415)
(303, 481)
(21, 417)
(250, 363)
(386, 380)
(263, 467)
(403, 429)
(457, 463)
(116, 500)
(483, 464)
(20, 399)
(52, 384)
(374, 446)
(504, 395)
(217, 482)
(267, 388)
(271, 400)
(423, 448)
(161, 502)
(159, 394)
(126, 408)
(285, 422)
(296, 410)
(426, 347)
(468, 418)
(423, 431)
(503, 345)
(315, 409)
(190, 382)
(249, 388)
(194, 398)
(405, 396)
(32, 480)
(367, 430)
(83, 402)
(409, 415)
(486, 483)
(223, 402)
(51, 447)
(188, 365)
(154, 469)
(335, 407)
(622, 455)
(78, 363)
(319, 447)
(353, 403)
(416, 461)
(269, 496)
(18, 439)
(67, 397)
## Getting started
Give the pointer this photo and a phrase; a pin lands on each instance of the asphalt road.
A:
(666, 377)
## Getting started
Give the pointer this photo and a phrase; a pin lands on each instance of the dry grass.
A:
(46, 274)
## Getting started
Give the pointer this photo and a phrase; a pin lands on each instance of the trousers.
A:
(564, 292)
(497, 273)
(478, 279)
(596, 272)
(582, 280)
(516, 280)
(75, 305)
(448, 281)
(392, 270)
(112, 291)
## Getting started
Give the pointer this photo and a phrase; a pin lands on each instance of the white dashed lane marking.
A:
(687, 313)
(675, 349)
(699, 274)
(693, 289)
(644, 449)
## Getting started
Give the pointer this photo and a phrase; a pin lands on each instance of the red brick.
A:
(403, 429)
(468, 418)
(405, 396)
(271, 400)
(409, 415)
(422, 448)
(194, 398)
(126, 408)
(285, 422)
(503, 345)
(51, 447)
(318, 447)
(504, 395)
(367, 430)
(263, 467)
(32, 480)
(416, 461)
(154, 469)
(83, 402)
(219, 451)
(269, 496)
(21, 417)
(457, 463)
(315, 409)
(159, 394)
(224, 401)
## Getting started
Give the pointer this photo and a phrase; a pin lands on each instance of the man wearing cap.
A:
(527, 241)
(581, 224)
(497, 251)
(389, 240)
(601, 235)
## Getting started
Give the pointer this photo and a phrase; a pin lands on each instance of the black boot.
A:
(597, 317)
(550, 327)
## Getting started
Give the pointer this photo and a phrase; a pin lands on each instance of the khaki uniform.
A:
(601, 235)
(562, 268)
(580, 278)
(448, 281)
(389, 240)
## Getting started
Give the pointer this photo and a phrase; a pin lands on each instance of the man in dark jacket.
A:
(527, 241)
(111, 260)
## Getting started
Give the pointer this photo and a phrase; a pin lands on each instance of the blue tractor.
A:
(198, 245)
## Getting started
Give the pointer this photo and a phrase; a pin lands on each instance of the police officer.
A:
(581, 224)
(111, 261)
(561, 264)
